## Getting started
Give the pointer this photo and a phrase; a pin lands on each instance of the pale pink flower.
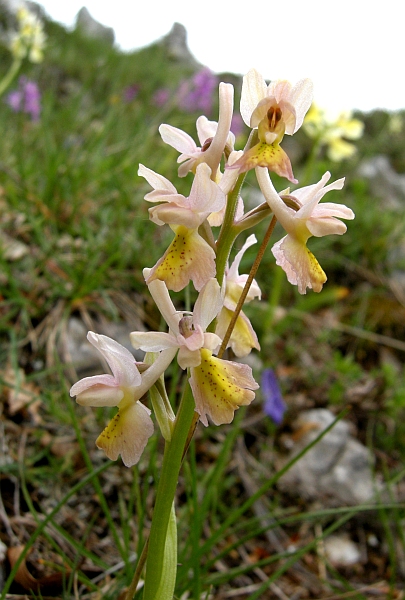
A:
(243, 337)
(257, 98)
(189, 256)
(219, 387)
(311, 219)
(213, 137)
(187, 333)
(128, 432)
(205, 197)
(274, 110)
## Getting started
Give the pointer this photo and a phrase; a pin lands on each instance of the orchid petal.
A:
(301, 98)
(271, 156)
(300, 265)
(161, 296)
(152, 341)
(214, 153)
(187, 358)
(254, 89)
(233, 272)
(205, 129)
(173, 214)
(208, 304)
(158, 182)
(205, 196)
(330, 209)
(127, 433)
(188, 257)
(220, 387)
(91, 391)
(119, 359)
(243, 337)
(178, 139)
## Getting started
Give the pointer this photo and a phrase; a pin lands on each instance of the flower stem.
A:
(228, 232)
(248, 283)
(9, 76)
(165, 494)
(137, 575)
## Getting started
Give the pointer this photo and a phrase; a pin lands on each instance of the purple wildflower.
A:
(197, 93)
(274, 405)
(161, 96)
(27, 98)
(14, 100)
(237, 125)
(131, 92)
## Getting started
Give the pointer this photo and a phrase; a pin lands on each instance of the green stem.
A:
(165, 494)
(9, 76)
(248, 283)
(228, 232)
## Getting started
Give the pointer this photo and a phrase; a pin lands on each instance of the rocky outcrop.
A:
(175, 43)
(92, 28)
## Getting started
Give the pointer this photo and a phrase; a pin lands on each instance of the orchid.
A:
(30, 38)
(219, 386)
(243, 337)
(214, 137)
(128, 432)
(189, 256)
(198, 338)
(273, 109)
(311, 219)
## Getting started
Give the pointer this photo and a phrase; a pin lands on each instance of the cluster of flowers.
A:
(194, 94)
(219, 386)
(26, 98)
(29, 40)
(333, 131)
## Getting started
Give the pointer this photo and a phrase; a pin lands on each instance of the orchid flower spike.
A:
(273, 109)
(128, 432)
(312, 219)
(219, 387)
(243, 337)
(214, 137)
(189, 256)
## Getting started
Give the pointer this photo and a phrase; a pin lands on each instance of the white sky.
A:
(352, 50)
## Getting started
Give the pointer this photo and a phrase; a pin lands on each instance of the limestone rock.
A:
(337, 470)
(176, 46)
(387, 184)
(77, 351)
(92, 28)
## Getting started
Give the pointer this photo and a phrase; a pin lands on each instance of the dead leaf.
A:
(20, 394)
(23, 577)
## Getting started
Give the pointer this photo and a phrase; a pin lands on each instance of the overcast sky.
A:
(353, 50)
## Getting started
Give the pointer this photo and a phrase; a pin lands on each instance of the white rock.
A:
(341, 551)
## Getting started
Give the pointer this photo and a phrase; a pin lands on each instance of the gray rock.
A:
(387, 184)
(337, 469)
(342, 551)
(176, 46)
(77, 351)
(92, 28)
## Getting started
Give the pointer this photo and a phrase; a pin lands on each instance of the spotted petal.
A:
(127, 433)
(220, 387)
(187, 257)
(300, 265)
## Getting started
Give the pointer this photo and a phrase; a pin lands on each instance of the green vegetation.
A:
(75, 236)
